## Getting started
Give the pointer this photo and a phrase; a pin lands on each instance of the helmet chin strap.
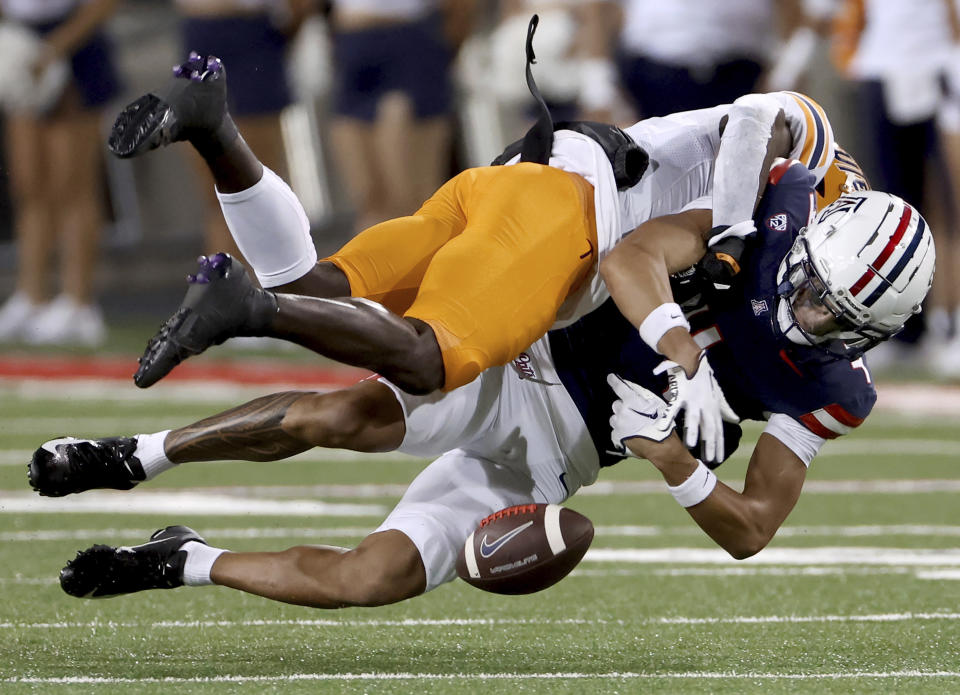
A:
(788, 323)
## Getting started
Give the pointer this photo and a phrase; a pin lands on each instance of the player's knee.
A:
(324, 279)
(380, 574)
(418, 367)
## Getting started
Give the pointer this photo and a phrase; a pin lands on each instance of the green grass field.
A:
(860, 592)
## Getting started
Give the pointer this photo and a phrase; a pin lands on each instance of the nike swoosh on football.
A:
(488, 549)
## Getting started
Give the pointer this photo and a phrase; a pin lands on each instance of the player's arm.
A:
(742, 523)
(753, 134)
(637, 274)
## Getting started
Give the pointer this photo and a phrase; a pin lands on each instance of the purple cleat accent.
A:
(221, 302)
(192, 107)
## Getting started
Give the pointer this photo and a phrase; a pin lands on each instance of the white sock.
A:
(200, 559)
(150, 452)
(271, 230)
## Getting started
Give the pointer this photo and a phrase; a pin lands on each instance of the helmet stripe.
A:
(898, 268)
(862, 282)
(908, 254)
(813, 117)
(884, 254)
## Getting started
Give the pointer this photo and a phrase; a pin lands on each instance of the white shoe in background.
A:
(66, 322)
(16, 314)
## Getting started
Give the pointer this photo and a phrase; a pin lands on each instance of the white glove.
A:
(740, 230)
(703, 403)
(638, 412)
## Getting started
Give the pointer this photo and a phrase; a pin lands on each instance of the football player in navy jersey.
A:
(784, 346)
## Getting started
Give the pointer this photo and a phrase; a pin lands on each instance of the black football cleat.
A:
(221, 302)
(193, 107)
(102, 571)
(68, 465)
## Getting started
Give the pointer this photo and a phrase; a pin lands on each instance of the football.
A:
(523, 549)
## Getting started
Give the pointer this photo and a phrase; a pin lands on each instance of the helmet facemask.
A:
(802, 284)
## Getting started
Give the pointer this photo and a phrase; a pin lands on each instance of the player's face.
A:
(811, 314)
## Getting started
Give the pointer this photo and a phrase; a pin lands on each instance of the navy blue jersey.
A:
(759, 370)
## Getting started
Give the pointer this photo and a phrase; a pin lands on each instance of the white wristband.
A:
(659, 321)
(696, 488)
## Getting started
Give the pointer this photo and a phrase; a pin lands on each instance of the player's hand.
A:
(705, 407)
(721, 262)
(637, 412)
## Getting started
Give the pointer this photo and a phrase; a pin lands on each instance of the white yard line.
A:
(185, 502)
(320, 532)
(834, 555)
(486, 622)
(614, 675)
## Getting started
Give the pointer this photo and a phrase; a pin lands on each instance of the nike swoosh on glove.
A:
(638, 412)
(703, 402)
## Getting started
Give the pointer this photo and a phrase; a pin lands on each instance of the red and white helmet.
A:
(869, 258)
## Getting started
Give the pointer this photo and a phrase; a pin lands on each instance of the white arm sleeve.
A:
(271, 230)
(743, 147)
(794, 436)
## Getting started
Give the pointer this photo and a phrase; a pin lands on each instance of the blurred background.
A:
(367, 106)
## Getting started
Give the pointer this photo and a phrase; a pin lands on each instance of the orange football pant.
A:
(486, 261)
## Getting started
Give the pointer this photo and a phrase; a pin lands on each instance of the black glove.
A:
(721, 263)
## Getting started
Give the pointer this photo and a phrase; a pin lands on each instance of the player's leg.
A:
(364, 417)
(192, 107)
(487, 261)
(384, 263)
(534, 228)
(413, 551)
(518, 446)
(223, 302)
(385, 568)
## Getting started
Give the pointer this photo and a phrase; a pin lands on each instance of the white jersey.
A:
(698, 33)
(683, 149)
(509, 437)
(395, 9)
(911, 37)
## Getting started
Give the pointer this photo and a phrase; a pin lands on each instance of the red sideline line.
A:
(235, 372)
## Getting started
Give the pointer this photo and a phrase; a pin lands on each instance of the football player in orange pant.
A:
(495, 258)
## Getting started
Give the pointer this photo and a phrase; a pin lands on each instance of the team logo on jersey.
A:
(759, 306)
(777, 223)
(524, 366)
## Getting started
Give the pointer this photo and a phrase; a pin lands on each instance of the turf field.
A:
(860, 591)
